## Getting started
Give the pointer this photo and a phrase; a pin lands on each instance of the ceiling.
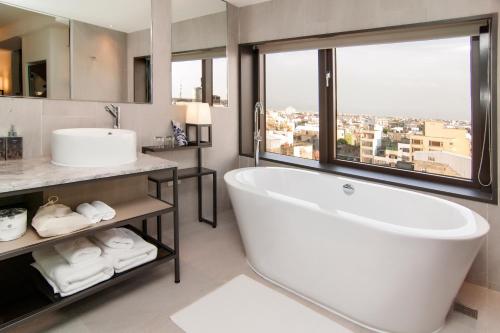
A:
(122, 15)
(9, 14)
(243, 3)
(187, 9)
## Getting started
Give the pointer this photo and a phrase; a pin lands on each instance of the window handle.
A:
(328, 76)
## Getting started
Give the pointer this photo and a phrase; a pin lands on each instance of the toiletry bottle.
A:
(3, 148)
(14, 145)
(12, 131)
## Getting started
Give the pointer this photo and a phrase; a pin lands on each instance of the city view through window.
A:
(219, 81)
(401, 105)
(187, 81)
(292, 114)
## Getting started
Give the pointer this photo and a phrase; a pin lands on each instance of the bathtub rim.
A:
(480, 224)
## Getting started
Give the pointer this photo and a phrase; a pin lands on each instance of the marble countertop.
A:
(40, 172)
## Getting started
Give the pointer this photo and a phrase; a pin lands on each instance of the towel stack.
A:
(73, 266)
(127, 249)
(96, 211)
(79, 264)
(54, 219)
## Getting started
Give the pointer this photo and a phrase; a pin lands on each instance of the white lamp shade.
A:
(198, 113)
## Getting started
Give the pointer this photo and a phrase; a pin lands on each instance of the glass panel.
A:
(292, 111)
(75, 52)
(199, 31)
(406, 105)
(186, 81)
(219, 69)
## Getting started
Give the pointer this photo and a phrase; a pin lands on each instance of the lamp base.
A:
(197, 140)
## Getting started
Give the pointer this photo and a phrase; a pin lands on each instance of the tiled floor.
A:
(209, 259)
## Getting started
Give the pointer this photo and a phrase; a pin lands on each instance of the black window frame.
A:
(483, 50)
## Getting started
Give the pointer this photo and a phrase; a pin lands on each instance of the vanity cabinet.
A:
(24, 292)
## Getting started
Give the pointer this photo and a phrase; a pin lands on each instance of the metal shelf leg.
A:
(176, 226)
(214, 200)
(159, 217)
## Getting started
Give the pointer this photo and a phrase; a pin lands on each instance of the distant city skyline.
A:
(423, 79)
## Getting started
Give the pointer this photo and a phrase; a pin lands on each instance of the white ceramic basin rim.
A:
(93, 147)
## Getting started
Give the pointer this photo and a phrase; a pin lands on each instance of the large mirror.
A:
(88, 50)
(199, 62)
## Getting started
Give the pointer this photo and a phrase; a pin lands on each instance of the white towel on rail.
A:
(78, 251)
(115, 238)
(125, 259)
(105, 211)
(89, 212)
(71, 278)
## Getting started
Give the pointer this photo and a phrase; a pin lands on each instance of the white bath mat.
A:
(244, 305)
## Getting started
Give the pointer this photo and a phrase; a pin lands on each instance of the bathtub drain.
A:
(348, 189)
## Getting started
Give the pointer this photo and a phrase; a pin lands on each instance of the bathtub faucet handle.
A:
(348, 189)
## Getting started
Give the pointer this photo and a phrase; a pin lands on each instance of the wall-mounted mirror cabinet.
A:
(87, 50)
(199, 62)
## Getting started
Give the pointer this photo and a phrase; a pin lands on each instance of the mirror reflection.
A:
(86, 50)
(199, 62)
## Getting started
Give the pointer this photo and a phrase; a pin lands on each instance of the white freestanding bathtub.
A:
(388, 259)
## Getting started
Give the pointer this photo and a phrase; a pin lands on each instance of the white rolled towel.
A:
(114, 238)
(125, 259)
(78, 251)
(106, 212)
(68, 279)
(89, 212)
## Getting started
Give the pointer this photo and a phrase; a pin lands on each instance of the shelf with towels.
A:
(40, 297)
(127, 212)
(22, 296)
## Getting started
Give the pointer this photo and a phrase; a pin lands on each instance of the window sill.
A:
(394, 180)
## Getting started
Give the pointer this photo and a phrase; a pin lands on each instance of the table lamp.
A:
(197, 118)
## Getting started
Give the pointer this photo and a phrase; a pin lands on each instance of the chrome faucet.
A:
(114, 111)
(257, 137)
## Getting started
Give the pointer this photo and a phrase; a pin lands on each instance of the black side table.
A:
(197, 172)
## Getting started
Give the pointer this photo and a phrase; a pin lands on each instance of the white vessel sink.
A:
(93, 147)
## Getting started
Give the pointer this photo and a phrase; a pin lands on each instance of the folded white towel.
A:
(106, 212)
(78, 251)
(125, 259)
(71, 278)
(89, 212)
(115, 238)
(92, 281)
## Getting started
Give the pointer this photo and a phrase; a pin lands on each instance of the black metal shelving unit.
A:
(196, 172)
(26, 295)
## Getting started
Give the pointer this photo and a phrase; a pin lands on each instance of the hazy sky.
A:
(292, 80)
(426, 79)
